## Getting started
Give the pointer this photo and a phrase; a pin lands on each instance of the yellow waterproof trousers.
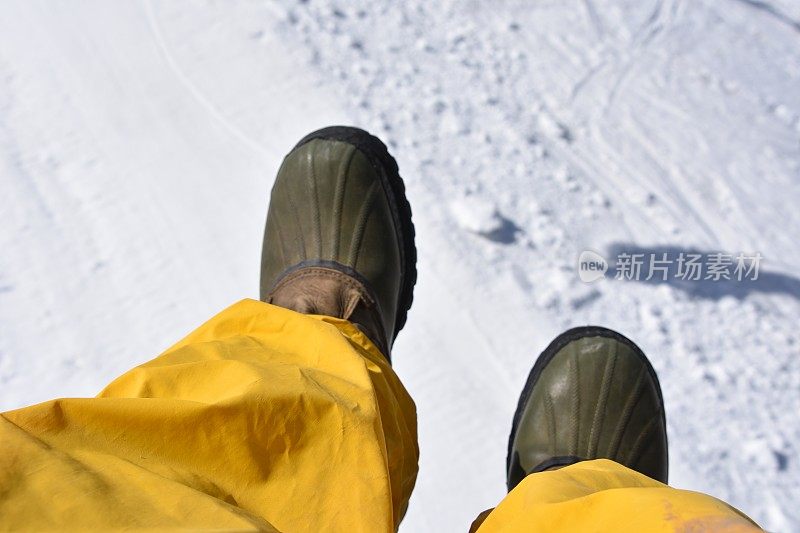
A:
(266, 419)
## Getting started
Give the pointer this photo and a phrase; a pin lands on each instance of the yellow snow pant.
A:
(266, 419)
(602, 495)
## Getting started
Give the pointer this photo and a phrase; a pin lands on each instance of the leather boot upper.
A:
(332, 243)
(592, 394)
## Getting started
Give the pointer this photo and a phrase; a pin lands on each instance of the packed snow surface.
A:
(139, 140)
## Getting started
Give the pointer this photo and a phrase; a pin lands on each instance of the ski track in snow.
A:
(138, 143)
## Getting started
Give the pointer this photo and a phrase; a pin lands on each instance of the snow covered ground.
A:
(139, 140)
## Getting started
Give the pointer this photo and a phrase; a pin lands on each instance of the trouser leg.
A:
(604, 495)
(260, 418)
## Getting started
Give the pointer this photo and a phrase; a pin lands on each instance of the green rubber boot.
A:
(339, 240)
(591, 394)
